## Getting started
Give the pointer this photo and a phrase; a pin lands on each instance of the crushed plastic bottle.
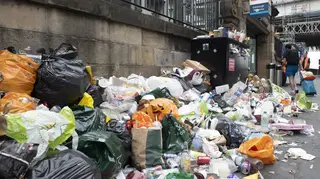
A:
(185, 160)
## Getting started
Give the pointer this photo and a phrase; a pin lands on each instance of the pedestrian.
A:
(291, 59)
(305, 62)
(284, 77)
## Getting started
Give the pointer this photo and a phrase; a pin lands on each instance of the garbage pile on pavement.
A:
(59, 121)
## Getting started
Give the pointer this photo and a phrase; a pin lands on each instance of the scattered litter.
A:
(272, 172)
(308, 157)
(293, 144)
(311, 166)
(278, 152)
(285, 161)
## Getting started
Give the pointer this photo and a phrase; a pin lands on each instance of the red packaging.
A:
(203, 160)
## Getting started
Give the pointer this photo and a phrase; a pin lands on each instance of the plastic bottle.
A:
(185, 160)
(265, 121)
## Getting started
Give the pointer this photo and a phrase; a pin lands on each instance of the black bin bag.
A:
(67, 164)
(231, 131)
(62, 78)
(15, 158)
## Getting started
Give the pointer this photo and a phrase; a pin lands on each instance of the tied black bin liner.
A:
(106, 149)
(62, 78)
(88, 119)
(231, 131)
(67, 164)
(15, 158)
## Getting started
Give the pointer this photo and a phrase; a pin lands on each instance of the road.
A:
(299, 168)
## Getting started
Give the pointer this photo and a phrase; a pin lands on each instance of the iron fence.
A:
(201, 15)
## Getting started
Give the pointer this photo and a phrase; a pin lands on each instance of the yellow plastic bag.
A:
(86, 100)
(259, 148)
(160, 107)
(18, 102)
(18, 73)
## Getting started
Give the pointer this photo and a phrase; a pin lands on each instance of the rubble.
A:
(137, 127)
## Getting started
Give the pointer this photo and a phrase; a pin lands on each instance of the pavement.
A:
(299, 168)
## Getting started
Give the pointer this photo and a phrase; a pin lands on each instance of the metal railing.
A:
(201, 15)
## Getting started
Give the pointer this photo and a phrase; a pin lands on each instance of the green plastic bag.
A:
(182, 175)
(41, 126)
(106, 149)
(174, 135)
(88, 119)
(303, 101)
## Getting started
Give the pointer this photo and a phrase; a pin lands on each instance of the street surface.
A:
(299, 168)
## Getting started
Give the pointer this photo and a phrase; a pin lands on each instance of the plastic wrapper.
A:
(146, 147)
(303, 101)
(88, 119)
(106, 149)
(15, 158)
(120, 91)
(223, 167)
(189, 95)
(41, 126)
(62, 79)
(279, 93)
(174, 135)
(196, 107)
(260, 148)
(66, 164)
(127, 106)
(138, 81)
(86, 100)
(18, 73)
(182, 175)
(172, 85)
(18, 102)
(211, 149)
(231, 131)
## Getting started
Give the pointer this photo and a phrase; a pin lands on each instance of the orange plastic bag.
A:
(160, 107)
(18, 73)
(141, 119)
(259, 148)
(18, 102)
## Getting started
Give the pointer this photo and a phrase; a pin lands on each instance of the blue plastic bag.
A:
(308, 87)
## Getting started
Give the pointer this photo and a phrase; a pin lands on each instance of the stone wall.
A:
(112, 39)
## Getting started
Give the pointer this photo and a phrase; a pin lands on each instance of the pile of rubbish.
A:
(59, 121)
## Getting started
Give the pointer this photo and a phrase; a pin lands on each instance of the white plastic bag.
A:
(208, 133)
(189, 95)
(171, 84)
(49, 129)
(211, 149)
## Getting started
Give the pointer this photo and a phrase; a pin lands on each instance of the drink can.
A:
(245, 168)
(203, 160)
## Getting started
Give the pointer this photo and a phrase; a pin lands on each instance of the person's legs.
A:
(290, 72)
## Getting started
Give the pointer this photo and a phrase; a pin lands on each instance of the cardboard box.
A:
(196, 65)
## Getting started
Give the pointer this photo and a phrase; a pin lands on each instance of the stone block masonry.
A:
(113, 39)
